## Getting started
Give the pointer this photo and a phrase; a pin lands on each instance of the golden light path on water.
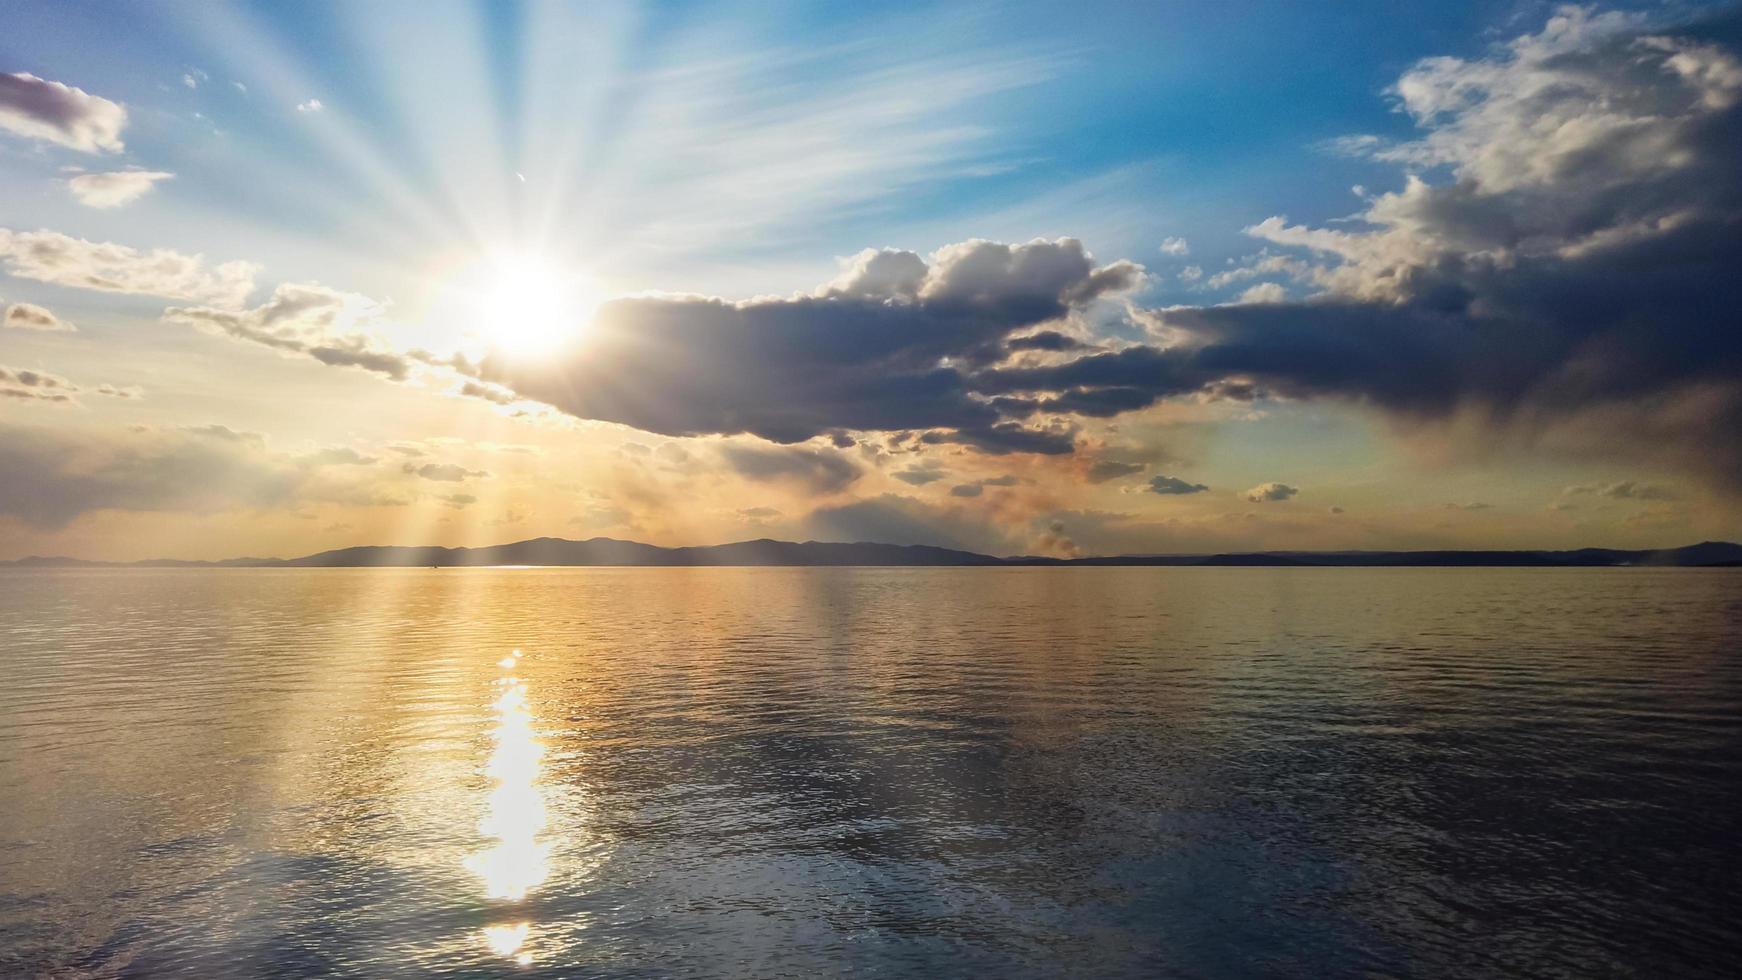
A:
(514, 815)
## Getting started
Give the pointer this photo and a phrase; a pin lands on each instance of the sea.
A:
(871, 772)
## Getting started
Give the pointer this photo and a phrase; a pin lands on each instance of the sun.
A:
(529, 304)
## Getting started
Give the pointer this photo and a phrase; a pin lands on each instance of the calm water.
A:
(811, 772)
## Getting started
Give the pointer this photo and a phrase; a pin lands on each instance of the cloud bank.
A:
(1572, 280)
(887, 346)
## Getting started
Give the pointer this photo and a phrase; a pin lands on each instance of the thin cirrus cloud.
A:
(114, 189)
(55, 112)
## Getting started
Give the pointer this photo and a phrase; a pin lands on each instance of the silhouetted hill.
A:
(763, 551)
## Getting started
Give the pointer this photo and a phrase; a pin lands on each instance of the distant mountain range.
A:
(609, 551)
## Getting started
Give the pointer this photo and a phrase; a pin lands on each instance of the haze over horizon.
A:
(1004, 279)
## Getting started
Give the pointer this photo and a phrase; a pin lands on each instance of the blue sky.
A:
(1122, 124)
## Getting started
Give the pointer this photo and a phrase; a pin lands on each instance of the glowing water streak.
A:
(515, 813)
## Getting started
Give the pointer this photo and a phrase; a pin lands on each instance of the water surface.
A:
(809, 772)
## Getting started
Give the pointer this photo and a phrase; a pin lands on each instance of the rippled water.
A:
(802, 772)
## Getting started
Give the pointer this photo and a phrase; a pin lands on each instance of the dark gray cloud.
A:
(921, 473)
(1573, 279)
(820, 471)
(1112, 469)
(40, 109)
(978, 487)
(1045, 340)
(1174, 486)
(877, 350)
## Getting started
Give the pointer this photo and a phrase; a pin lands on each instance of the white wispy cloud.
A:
(49, 256)
(112, 190)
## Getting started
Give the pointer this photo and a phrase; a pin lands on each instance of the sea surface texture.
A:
(799, 772)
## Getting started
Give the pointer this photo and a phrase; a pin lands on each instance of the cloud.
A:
(309, 319)
(1471, 506)
(111, 190)
(40, 109)
(1271, 491)
(921, 473)
(1560, 286)
(310, 105)
(893, 519)
(442, 472)
(1173, 485)
(1045, 340)
(1175, 246)
(818, 470)
(224, 433)
(23, 384)
(51, 257)
(50, 477)
(1264, 292)
(487, 392)
(29, 316)
(458, 501)
(1112, 469)
(1624, 490)
(875, 350)
(977, 488)
(336, 456)
(111, 391)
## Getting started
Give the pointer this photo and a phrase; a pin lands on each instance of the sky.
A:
(1027, 278)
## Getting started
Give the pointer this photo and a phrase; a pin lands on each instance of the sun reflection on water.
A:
(515, 813)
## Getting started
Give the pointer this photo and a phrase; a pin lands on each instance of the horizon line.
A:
(1016, 558)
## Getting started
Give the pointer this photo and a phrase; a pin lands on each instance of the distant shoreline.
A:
(610, 552)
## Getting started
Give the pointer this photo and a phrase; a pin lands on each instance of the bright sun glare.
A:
(529, 305)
